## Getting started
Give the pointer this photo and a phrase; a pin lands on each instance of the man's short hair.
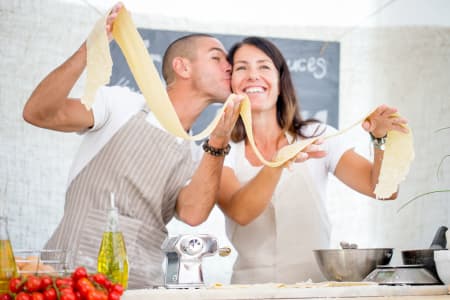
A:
(184, 47)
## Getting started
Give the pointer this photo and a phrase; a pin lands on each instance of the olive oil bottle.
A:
(112, 257)
(8, 268)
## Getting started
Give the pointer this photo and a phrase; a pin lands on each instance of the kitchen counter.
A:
(272, 291)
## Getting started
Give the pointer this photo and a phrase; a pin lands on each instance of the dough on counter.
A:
(300, 285)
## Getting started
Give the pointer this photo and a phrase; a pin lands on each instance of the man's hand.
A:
(111, 18)
(384, 119)
(220, 136)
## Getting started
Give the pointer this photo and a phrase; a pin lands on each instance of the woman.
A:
(275, 218)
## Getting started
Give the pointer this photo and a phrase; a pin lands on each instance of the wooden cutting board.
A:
(271, 291)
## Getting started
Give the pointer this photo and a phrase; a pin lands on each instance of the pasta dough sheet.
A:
(399, 150)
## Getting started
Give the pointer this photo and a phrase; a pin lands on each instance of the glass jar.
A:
(8, 268)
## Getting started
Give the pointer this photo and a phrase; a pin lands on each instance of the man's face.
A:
(211, 71)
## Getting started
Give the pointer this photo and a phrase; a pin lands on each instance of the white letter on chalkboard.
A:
(322, 68)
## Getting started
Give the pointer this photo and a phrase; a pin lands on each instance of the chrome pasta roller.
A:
(183, 261)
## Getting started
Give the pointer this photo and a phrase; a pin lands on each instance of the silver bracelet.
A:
(378, 143)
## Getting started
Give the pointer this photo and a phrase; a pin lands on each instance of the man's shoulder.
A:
(118, 90)
(121, 98)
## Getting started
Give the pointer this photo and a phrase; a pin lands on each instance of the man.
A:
(126, 151)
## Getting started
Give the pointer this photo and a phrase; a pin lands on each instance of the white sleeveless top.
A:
(277, 246)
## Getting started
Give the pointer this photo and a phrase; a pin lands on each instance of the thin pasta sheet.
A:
(399, 148)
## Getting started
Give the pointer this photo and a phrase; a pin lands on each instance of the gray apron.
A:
(146, 167)
(277, 246)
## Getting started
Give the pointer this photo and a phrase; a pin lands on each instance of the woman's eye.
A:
(216, 58)
(239, 68)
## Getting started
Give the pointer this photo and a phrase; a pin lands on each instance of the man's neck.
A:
(188, 106)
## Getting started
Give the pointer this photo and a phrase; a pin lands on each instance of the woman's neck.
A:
(268, 137)
(266, 130)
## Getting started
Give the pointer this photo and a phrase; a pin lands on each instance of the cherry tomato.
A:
(5, 297)
(78, 295)
(69, 281)
(100, 278)
(67, 294)
(113, 296)
(60, 282)
(64, 282)
(79, 272)
(107, 284)
(68, 297)
(46, 281)
(37, 296)
(16, 285)
(118, 288)
(23, 296)
(33, 284)
(97, 295)
(66, 290)
(84, 286)
(50, 294)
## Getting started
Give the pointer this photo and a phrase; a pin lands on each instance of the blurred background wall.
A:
(393, 52)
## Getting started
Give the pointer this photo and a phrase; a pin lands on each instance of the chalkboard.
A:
(314, 67)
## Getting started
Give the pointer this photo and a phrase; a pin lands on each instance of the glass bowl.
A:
(38, 262)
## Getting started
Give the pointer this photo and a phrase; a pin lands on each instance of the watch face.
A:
(378, 143)
(381, 147)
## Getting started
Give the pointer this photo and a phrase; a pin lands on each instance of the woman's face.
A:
(255, 74)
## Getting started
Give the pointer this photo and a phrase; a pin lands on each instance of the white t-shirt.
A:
(112, 108)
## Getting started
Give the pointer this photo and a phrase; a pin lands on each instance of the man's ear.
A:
(181, 66)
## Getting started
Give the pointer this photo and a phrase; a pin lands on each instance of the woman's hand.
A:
(313, 150)
(384, 119)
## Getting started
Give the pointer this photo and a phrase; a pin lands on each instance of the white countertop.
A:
(272, 291)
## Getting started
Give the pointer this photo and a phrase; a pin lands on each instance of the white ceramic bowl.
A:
(442, 260)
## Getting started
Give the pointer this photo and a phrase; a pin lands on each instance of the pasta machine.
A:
(183, 259)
